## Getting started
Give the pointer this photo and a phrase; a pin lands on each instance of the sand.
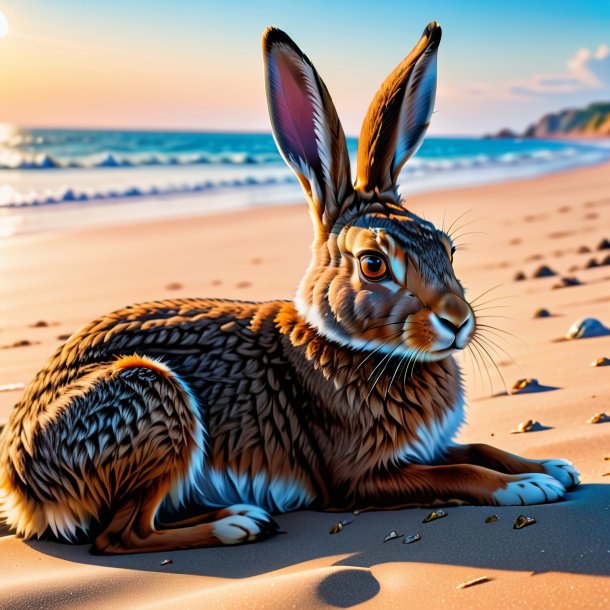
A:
(562, 561)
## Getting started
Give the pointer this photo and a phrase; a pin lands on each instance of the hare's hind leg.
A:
(502, 461)
(108, 451)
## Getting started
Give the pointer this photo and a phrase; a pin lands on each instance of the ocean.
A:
(83, 171)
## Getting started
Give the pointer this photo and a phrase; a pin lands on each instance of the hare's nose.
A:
(454, 314)
(450, 324)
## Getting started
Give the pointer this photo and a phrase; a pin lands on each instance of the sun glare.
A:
(3, 25)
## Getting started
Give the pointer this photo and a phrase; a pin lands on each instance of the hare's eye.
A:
(373, 267)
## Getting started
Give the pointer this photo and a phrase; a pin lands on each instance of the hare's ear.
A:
(398, 118)
(307, 129)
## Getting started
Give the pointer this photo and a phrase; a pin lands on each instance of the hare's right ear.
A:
(398, 118)
(307, 129)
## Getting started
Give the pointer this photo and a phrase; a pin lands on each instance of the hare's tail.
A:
(105, 454)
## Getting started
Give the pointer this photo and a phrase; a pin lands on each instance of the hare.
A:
(188, 422)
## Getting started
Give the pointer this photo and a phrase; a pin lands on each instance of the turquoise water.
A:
(64, 149)
(40, 167)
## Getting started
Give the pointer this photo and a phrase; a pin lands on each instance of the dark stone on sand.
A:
(605, 260)
(63, 337)
(584, 250)
(542, 313)
(40, 324)
(566, 282)
(604, 244)
(519, 276)
(591, 263)
(544, 271)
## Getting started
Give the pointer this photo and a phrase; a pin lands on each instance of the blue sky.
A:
(197, 64)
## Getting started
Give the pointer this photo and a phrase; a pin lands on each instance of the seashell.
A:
(544, 271)
(434, 515)
(542, 313)
(166, 562)
(411, 539)
(522, 521)
(471, 583)
(491, 519)
(601, 362)
(585, 328)
(336, 528)
(391, 536)
(598, 418)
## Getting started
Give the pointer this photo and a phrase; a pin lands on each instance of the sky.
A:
(196, 64)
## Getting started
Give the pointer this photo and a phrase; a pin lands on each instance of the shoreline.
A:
(187, 195)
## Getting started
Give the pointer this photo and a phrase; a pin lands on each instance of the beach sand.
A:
(52, 284)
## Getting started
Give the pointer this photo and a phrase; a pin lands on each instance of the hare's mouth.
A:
(437, 336)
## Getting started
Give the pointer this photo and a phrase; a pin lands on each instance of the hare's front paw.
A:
(533, 488)
(246, 524)
(563, 471)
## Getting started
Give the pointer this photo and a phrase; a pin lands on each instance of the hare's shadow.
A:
(572, 536)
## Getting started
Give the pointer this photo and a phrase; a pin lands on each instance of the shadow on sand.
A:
(572, 536)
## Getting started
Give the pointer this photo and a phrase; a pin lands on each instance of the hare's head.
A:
(380, 277)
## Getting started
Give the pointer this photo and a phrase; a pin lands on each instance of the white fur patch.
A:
(532, 488)
(313, 318)
(563, 471)
(433, 438)
(275, 494)
(239, 528)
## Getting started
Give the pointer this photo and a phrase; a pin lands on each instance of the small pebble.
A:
(601, 362)
(336, 528)
(605, 260)
(491, 519)
(40, 324)
(519, 276)
(544, 271)
(542, 313)
(63, 337)
(522, 521)
(566, 282)
(521, 386)
(584, 250)
(591, 263)
(585, 328)
(604, 244)
(598, 418)
(434, 515)
(10, 387)
(526, 426)
(473, 582)
(174, 286)
(391, 536)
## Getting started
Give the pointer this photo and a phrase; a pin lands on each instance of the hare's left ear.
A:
(398, 118)
(307, 129)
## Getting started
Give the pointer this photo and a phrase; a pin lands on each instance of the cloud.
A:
(586, 70)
